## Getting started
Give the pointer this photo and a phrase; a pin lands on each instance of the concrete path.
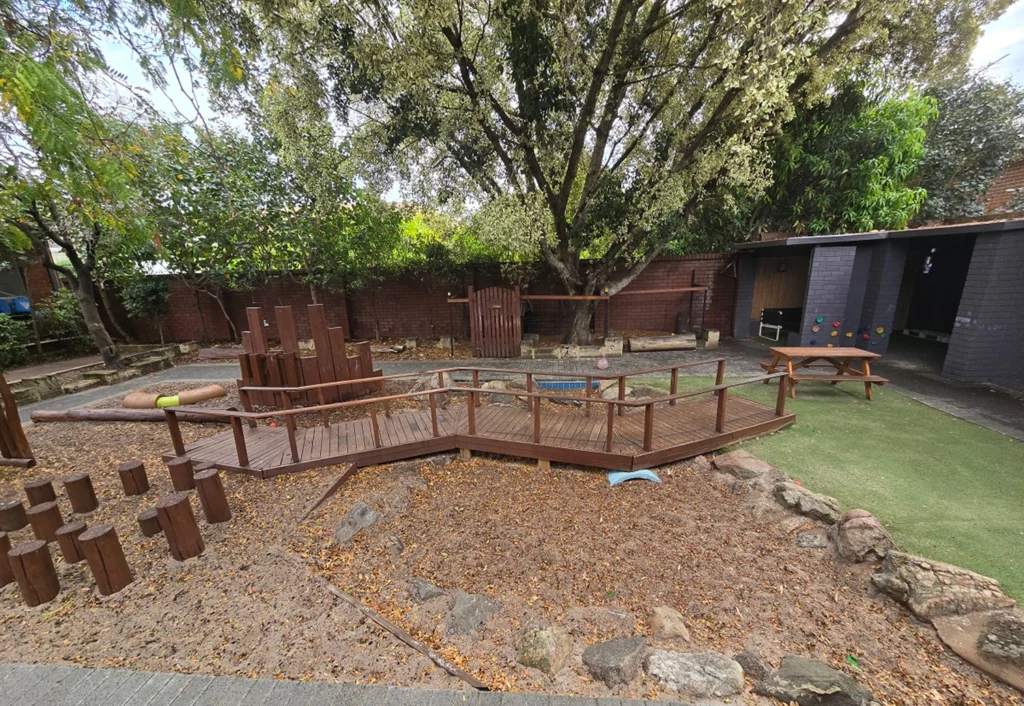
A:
(44, 685)
(56, 366)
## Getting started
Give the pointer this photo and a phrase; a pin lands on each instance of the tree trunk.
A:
(235, 338)
(86, 296)
(118, 328)
(579, 332)
(312, 292)
(199, 312)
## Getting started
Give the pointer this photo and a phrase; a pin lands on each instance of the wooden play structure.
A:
(14, 446)
(263, 367)
(606, 433)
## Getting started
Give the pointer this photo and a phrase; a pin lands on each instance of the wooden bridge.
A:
(617, 433)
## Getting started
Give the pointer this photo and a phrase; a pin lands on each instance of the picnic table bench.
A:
(793, 359)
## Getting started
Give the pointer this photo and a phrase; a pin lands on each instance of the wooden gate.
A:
(495, 324)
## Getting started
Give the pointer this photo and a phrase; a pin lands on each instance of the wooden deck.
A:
(566, 435)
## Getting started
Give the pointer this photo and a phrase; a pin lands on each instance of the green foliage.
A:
(146, 298)
(59, 317)
(14, 336)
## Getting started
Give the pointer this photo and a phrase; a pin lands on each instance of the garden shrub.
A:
(59, 317)
(14, 336)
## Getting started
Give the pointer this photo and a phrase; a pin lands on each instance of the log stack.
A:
(81, 493)
(33, 569)
(106, 559)
(133, 478)
(12, 515)
(39, 491)
(69, 542)
(178, 523)
(182, 473)
(6, 575)
(212, 496)
(45, 520)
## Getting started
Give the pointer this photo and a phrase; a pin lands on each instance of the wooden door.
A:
(495, 326)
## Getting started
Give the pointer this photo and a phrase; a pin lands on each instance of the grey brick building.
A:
(957, 288)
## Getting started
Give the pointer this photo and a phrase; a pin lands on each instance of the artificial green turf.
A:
(946, 489)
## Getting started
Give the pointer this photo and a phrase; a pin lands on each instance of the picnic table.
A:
(794, 359)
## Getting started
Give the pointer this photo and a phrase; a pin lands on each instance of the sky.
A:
(1003, 43)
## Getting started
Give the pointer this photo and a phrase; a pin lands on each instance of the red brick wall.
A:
(37, 282)
(1005, 187)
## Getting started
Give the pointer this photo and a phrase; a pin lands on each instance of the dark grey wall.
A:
(828, 287)
(745, 269)
(882, 291)
(988, 336)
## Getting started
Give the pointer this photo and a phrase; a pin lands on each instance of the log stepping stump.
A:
(149, 523)
(45, 520)
(103, 551)
(69, 542)
(178, 523)
(133, 478)
(81, 493)
(212, 496)
(39, 491)
(34, 571)
(6, 575)
(12, 515)
(182, 473)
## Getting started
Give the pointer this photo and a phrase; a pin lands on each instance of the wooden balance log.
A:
(6, 574)
(33, 569)
(178, 523)
(39, 491)
(12, 515)
(149, 522)
(182, 473)
(106, 559)
(212, 496)
(133, 478)
(81, 493)
(69, 541)
(45, 520)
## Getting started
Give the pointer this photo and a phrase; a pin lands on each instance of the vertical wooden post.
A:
(289, 420)
(780, 399)
(376, 427)
(674, 385)
(175, 430)
(133, 478)
(720, 419)
(866, 370)
(471, 412)
(243, 397)
(433, 414)
(174, 512)
(69, 542)
(149, 522)
(720, 375)
(649, 427)
(611, 421)
(103, 551)
(39, 491)
(6, 575)
(33, 569)
(212, 496)
(45, 520)
(239, 434)
(12, 515)
(529, 388)
(590, 381)
(476, 384)
(181, 471)
(81, 493)
(440, 379)
(536, 420)
(384, 393)
(622, 394)
(325, 416)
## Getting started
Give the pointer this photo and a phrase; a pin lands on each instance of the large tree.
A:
(594, 129)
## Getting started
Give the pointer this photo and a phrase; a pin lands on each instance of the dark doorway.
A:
(933, 281)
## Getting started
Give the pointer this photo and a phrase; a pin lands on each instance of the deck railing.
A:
(474, 394)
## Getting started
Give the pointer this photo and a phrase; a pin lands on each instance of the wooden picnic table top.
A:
(819, 352)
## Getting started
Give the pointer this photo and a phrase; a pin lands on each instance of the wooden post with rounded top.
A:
(6, 575)
(39, 491)
(103, 551)
(133, 478)
(182, 473)
(149, 523)
(45, 520)
(69, 543)
(212, 496)
(33, 569)
(81, 493)
(12, 515)
(179, 526)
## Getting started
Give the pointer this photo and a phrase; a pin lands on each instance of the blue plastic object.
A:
(21, 305)
(616, 477)
(5, 306)
(566, 385)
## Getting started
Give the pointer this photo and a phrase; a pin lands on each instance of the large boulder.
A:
(470, 612)
(616, 661)
(753, 666)
(668, 624)
(700, 464)
(424, 591)
(358, 518)
(1003, 637)
(931, 589)
(697, 675)
(813, 505)
(809, 682)
(742, 464)
(430, 382)
(993, 641)
(545, 648)
(860, 537)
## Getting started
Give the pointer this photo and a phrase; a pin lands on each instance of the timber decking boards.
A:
(567, 435)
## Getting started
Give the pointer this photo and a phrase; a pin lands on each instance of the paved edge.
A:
(58, 685)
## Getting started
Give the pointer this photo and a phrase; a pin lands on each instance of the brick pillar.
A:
(989, 331)
(888, 259)
(828, 288)
(745, 268)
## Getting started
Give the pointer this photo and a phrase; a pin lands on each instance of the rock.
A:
(429, 382)
(753, 666)
(931, 589)
(742, 464)
(700, 464)
(698, 675)
(809, 682)
(990, 640)
(358, 518)
(616, 661)
(496, 386)
(612, 392)
(405, 473)
(859, 537)
(606, 623)
(811, 540)
(1003, 637)
(803, 501)
(424, 591)
(642, 392)
(668, 624)
(470, 612)
(545, 648)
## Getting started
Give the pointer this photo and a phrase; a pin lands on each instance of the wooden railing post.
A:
(529, 388)
(243, 397)
(611, 422)
(239, 434)
(720, 375)
(674, 386)
(780, 399)
(476, 384)
(536, 421)
(471, 412)
(590, 381)
(649, 427)
(376, 427)
(440, 379)
(622, 394)
(433, 414)
(384, 393)
(175, 430)
(720, 419)
(289, 421)
(325, 416)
